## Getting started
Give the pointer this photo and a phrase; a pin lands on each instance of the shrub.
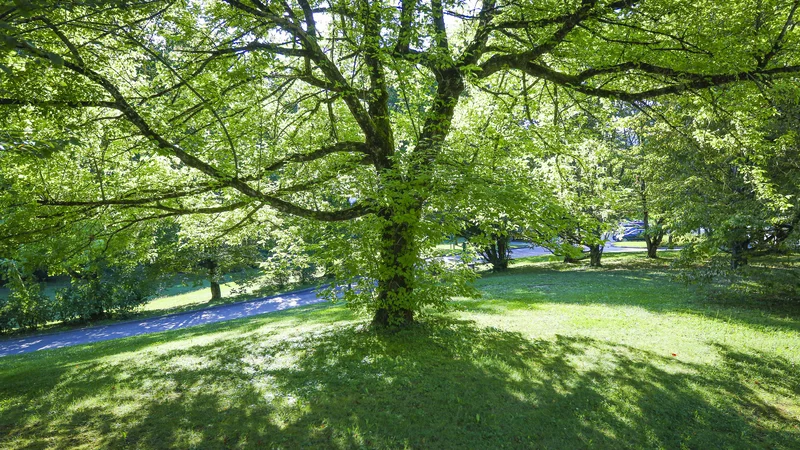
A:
(26, 306)
(101, 290)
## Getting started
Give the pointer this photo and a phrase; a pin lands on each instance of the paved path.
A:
(192, 318)
(155, 324)
(609, 248)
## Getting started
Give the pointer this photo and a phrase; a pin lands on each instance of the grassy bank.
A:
(552, 356)
(176, 299)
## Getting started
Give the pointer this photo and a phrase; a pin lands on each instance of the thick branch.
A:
(778, 43)
(66, 103)
(378, 100)
(567, 22)
(406, 22)
(340, 147)
(194, 162)
(255, 46)
(320, 58)
(439, 29)
(475, 49)
(353, 212)
(308, 13)
(680, 81)
(132, 201)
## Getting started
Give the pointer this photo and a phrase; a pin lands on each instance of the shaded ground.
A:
(550, 357)
(446, 384)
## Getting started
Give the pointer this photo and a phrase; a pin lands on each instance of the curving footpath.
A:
(187, 319)
(155, 324)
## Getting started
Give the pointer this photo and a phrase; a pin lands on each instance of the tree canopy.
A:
(119, 112)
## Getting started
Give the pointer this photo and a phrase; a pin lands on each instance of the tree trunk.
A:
(399, 254)
(498, 254)
(653, 243)
(652, 238)
(595, 253)
(652, 249)
(503, 254)
(216, 290)
(396, 277)
(739, 254)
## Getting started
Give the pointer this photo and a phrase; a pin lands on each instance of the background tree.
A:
(581, 165)
(728, 170)
(587, 183)
(643, 165)
(101, 288)
(503, 190)
(187, 248)
(25, 306)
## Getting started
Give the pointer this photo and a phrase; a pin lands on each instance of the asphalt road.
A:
(609, 248)
(192, 318)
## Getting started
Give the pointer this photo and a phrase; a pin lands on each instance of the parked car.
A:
(629, 230)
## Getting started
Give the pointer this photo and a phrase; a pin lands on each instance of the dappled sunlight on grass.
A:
(617, 358)
(631, 282)
(444, 383)
(193, 295)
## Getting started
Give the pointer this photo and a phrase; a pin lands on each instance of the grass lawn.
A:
(637, 244)
(630, 244)
(552, 356)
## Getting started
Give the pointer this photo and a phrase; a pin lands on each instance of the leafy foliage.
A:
(101, 289)
(339, 112)
(729, 173)
(26, 306)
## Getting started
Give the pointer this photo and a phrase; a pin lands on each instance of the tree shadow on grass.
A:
(450, 384)
(756, 368)
(442, 384)
(61, 398)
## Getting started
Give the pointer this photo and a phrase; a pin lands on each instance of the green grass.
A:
(552, 356)
(630, 244)
(640, 244)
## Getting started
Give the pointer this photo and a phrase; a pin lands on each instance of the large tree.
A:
(162, 108)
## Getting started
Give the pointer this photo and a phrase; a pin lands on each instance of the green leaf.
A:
(56, 59)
